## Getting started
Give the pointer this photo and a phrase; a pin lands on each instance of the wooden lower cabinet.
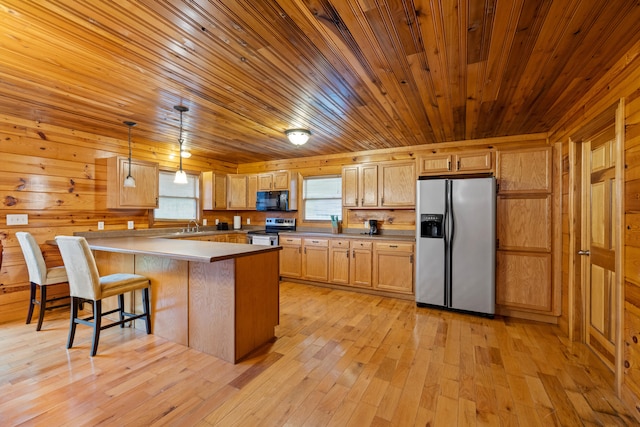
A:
(291, 257)
(315, 259)
(393, 266)
(350, 262)
(384, 266)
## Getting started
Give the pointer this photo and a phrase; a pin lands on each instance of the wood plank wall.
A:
(621, 82)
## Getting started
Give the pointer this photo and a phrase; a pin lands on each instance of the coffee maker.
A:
(373, 227)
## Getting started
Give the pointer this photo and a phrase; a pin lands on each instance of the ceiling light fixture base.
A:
(298, 136)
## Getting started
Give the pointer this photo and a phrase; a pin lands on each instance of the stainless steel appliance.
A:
(272, 200)
(269, 236)
(456, 244)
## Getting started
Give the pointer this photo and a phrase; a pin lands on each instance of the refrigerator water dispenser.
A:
(431, 226)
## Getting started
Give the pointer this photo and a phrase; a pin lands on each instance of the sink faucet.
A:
(197, 227)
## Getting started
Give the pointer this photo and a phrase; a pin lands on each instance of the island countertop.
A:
(186, 250)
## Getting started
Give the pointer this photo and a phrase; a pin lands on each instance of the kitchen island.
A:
(218, 298)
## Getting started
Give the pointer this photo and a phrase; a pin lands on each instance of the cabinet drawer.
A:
(395, 246)
(339, 243)
(317, 242)
(357, 244)
(290, 241)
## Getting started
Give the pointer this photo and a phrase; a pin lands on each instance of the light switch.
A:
(130, 225)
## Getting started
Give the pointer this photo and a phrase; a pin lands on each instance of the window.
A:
(322, 197)
(177, 202)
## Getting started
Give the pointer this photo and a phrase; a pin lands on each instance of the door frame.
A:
(577, 265)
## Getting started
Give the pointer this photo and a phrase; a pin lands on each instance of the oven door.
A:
(263, 239)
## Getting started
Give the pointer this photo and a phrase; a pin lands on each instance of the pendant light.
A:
(181, 176)
(298, 136)
(129, 181)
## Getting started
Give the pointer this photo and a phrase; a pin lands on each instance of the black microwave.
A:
(272, 201)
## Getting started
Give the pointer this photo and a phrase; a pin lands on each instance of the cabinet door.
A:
(315, 259)
(368, 188)
(361, 265)
(339, 254)
(265, 182)
(397, 185)
(393, 267)
(237, 192)
(434, 164)
(350, 197)
(525, 171)
(473, 162)
(281, 180)
(252, 190)
(214, 191)
(291, 257)
(144, 195)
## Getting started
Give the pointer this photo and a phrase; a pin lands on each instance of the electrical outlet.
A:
(217, 221)
(248, 221)
(366, 224)
(100, 225)
(204, 221)
(130, 225)
(17, 219)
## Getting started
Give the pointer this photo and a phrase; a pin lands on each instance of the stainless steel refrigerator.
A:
(456, 244)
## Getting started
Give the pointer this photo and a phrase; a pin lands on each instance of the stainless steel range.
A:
(269, 236)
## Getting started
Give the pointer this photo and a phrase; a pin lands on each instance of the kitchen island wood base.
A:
(226, 308)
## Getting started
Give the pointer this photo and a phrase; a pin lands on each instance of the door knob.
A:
(581, 252)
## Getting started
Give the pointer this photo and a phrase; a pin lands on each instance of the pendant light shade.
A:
(298, 136)
(129, 181)
(181, 176)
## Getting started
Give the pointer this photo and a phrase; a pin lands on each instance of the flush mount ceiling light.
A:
(298, 136)
(181, 176)
(129, 181)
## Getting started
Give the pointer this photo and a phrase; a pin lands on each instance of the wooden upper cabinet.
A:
(237, 191)
(397, 185)
(525, 171)
(214, 191)
(143, 196)
(379, 185)
(434, 164)
(360, 186)
(252, 189)
(467, 162)
(280, 180)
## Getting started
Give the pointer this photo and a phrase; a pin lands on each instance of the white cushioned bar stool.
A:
(40, 276)
(87, 285)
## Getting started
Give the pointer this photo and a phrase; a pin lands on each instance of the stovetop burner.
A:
(277, 225)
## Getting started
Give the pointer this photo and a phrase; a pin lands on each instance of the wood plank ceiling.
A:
(360, 74)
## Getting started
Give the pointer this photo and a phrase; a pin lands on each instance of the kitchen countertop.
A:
(187, 250)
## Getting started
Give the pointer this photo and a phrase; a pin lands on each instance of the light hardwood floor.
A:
(340, 359)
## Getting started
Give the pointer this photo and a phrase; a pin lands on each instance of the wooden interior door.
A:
(600, 261)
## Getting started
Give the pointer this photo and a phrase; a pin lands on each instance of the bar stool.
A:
(40, 276)
(87, 285)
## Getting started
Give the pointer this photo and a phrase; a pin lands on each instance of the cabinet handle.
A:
(458, 165)
(354, 253)
(347, 253)
(314, 241)
(299, 249)
(305, 250)
(449, 165)
(393, 246)
(362, 202)
(411, 259)
(382, 201)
